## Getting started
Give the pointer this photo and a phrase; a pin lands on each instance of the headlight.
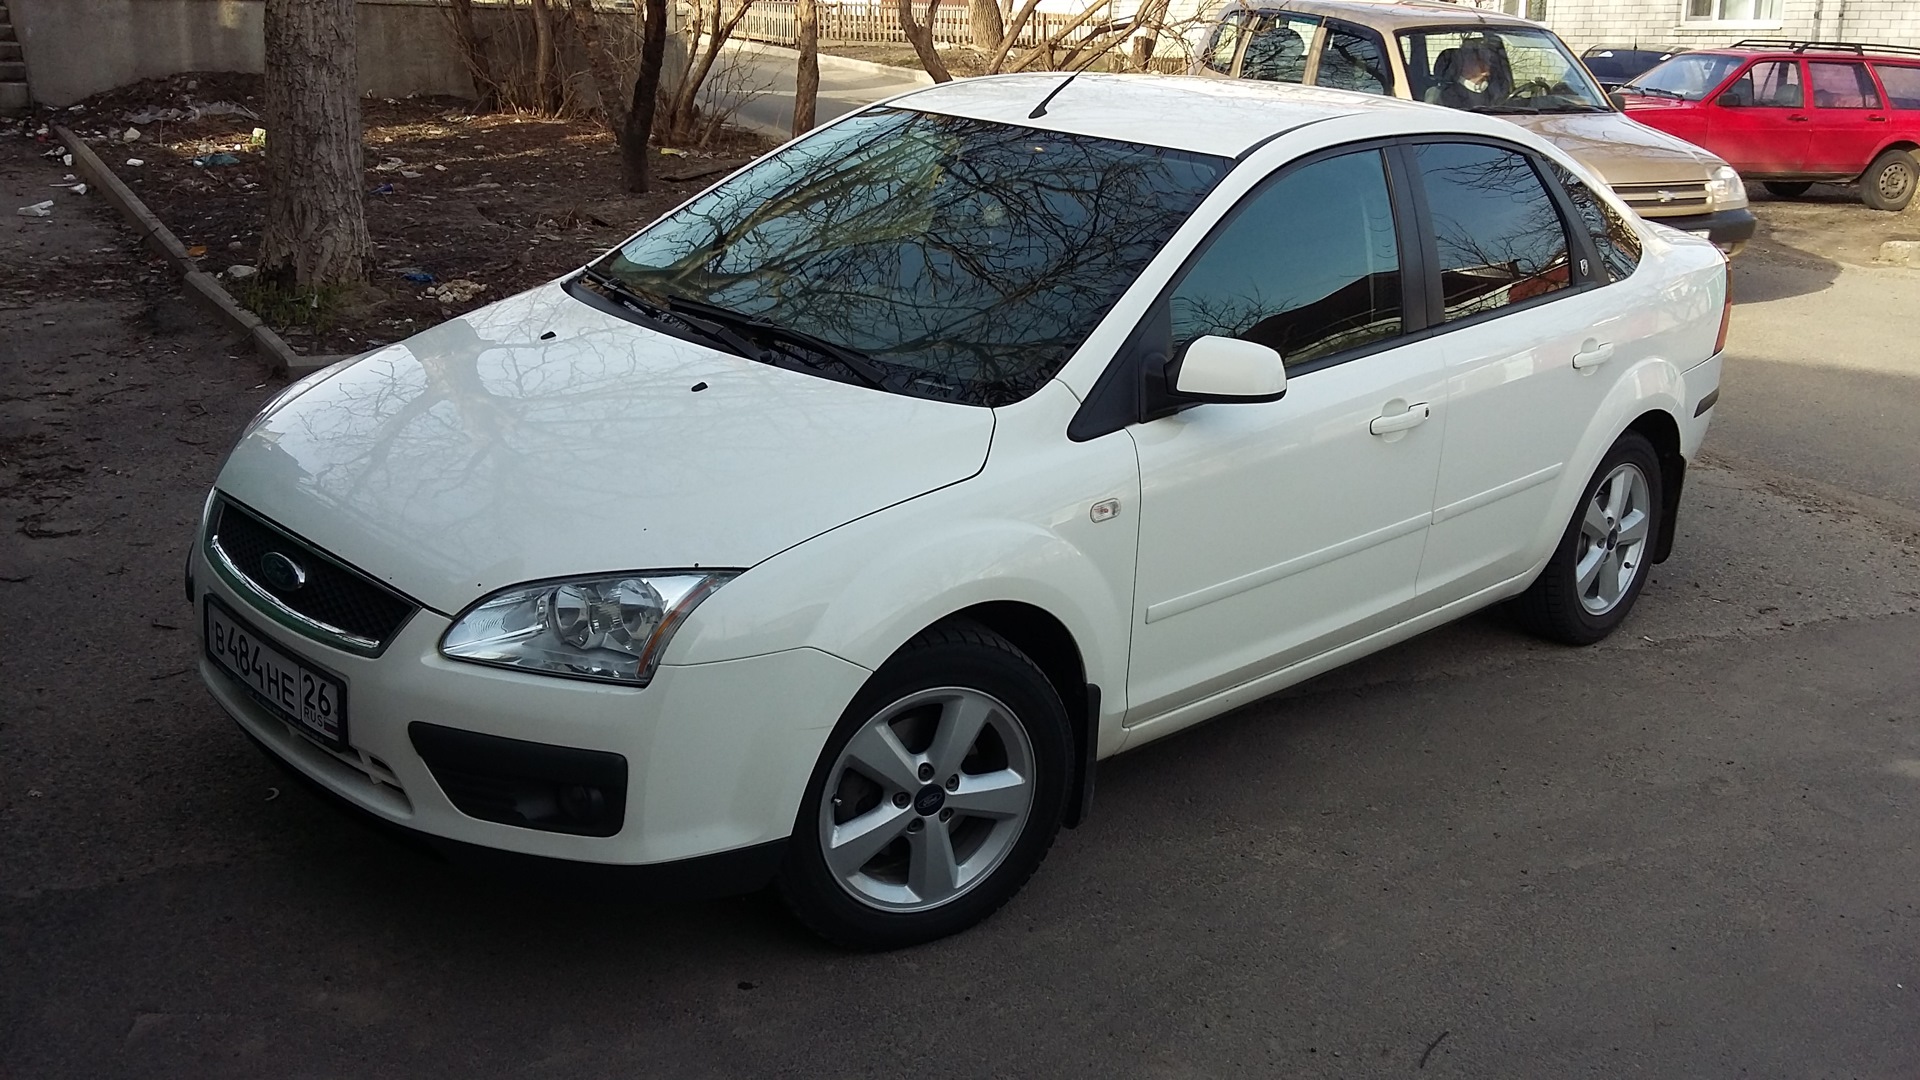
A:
(294, 389)
(611, 628)
(1724, 189)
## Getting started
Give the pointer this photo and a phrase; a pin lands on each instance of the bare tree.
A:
(703, 51)
(486, 92)
(543, 57)
(315, 233)
(921, 38)
(984, 24)
(806, 81)
(637, 128)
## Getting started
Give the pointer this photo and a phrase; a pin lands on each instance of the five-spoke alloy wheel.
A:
(937, 796)
(1596, 573)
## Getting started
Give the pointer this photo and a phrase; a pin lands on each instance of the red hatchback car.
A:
(1790, 113)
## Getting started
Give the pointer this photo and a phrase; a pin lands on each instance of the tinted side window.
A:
(1903, 84)
(1354, 60)
(1309, 266)
(1842, 86)
(1226, 41)
(1277, 48)
(1501, 240)
(1618, 244)
(1770, 84)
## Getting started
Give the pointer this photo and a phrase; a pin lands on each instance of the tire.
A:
(1788, 189)
(1889, 183)
(1601, 564)
(901, 761)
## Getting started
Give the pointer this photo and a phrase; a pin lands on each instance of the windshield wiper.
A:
(854, 361)
(663, 311)
(1653, 91)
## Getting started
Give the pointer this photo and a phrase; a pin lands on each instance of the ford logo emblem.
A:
(281, 572)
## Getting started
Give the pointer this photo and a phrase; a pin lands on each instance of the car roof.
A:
(1208, 116)
(1876, 53)
(1387, 14)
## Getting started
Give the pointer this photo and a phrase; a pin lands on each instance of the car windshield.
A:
(963, 259)
(1687, 77)
(1498, 69)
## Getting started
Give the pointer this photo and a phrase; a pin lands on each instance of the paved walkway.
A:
(845, 85)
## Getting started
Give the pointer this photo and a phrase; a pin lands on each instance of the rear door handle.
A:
(1415, 415)
(1593, 355)
(1796, 119)
(1877, 119)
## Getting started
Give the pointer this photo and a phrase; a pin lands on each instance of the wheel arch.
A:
(1660, 428)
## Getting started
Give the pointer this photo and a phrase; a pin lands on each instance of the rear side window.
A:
(1354, 59)
(1310, 266)
(1618, 244)
(1226, 42)
(1903, 84)
(1500, 239)
(1770, 84)
(1842, 86)
(1277, 48)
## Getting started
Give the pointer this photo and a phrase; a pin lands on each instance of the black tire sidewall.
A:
(1555, 597)
(1870, 181)
(975, 659)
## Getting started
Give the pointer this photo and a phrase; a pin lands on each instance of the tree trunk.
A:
(806, 81)
(921, 37)
(486, 93)
(1011, 35)
(608, 82)
(984, 24)
(638, 126)
(544, 98)
(315, 233)
(686, 99)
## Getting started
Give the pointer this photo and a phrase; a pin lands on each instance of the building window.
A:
(1731, 11)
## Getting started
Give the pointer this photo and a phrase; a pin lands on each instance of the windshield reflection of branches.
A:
(1500, 237)
(975, 255)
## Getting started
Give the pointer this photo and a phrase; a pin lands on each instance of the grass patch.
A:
(280, 306)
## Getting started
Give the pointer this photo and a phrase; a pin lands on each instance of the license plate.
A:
(312, 700)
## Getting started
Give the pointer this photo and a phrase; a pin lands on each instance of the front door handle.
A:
(1415, 415)
(1876, 119)
(1593, 355)
(1796, 119)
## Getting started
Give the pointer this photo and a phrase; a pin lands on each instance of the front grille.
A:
(1663, 200)
(338, 598)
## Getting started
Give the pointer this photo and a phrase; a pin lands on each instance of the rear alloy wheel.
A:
(1889, 182)
(937, 796)
(1601, 564)
(1788, 189)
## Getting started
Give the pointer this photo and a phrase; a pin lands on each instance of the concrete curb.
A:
(201, 286)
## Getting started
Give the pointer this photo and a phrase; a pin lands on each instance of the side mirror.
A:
(1728, 101)
(1619, 99)
(1223, 369)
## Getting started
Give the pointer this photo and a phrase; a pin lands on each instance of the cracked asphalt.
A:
(1691, 851)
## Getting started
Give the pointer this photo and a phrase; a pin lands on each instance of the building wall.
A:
(1658, 23)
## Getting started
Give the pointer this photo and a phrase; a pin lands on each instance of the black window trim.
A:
(1387, 56)
(1133, 388)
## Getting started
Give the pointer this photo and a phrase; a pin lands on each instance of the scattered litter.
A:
(241, 271)
(39, 209)
(388, 164)
(439, 168)
(78, 189)
(673, 152)
(411, 174)
(57, 151)
(130, 135)
(42, 132)
(458, 291)
(235, 245)
(65, 181)
(484, 185)
(135, 162)
(257, 138)
(197, 250)
(66, 160)
(210, 161)
(415, 275)
(383, 189)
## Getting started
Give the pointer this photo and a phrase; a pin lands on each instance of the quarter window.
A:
(1501, 241)
(1903, 84)
(1309, 266)
(1277, 48)
(1353, 60)
(1226, 42)
(1617, 243)
(1842, 86)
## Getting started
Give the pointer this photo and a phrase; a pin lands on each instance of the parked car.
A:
(830, 530)
(1792, 113)
(1613, 65)
(1484, 62)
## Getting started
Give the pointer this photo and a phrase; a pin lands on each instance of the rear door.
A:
(1760, 121)
(1353, 58)
(1850, 122)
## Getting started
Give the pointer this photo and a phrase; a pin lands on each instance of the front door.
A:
(1760, 122)
(1271, 532)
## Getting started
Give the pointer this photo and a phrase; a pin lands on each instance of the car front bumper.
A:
(717, 756)
(1729, 230)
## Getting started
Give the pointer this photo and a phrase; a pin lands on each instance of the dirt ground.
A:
(463, 209)
(1829, 222)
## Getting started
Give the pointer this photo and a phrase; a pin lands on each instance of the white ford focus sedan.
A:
(830, 530)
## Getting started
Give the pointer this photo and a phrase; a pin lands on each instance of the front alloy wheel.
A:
(936, 797)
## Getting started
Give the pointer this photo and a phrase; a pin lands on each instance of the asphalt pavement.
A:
(1691, 851)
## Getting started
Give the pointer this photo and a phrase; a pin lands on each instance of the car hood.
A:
(1622, 150)
(540, 437)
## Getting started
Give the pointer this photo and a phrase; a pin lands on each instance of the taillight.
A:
(1726, 310)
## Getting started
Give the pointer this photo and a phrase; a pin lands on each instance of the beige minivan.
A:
(1468, 58)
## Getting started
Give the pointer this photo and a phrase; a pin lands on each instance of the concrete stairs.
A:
(13, 67)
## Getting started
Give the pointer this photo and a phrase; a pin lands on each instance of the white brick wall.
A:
(1658, 23)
